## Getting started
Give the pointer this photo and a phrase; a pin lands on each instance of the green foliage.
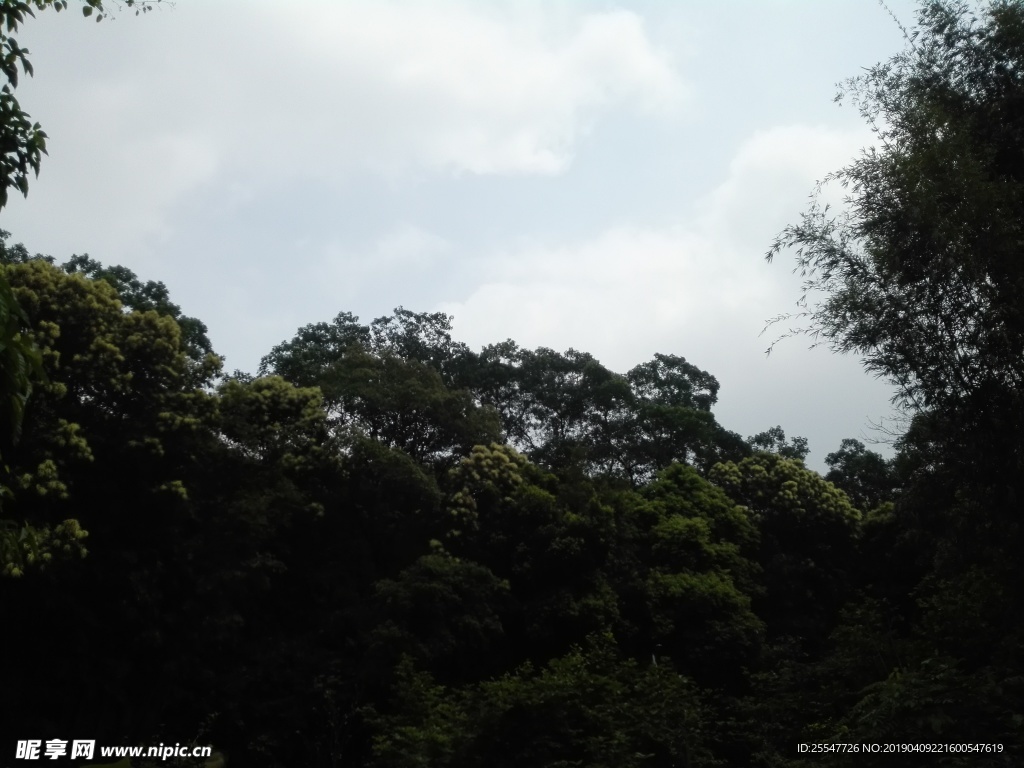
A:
(673, 421)
(808, 532)
(111, 438)
(387, 596)
(568, 410)
(405, 403)
(424, 726)
(273, 421)
(920, 274)
(684, 566)
(305, 358)
(20, 363)
(23, 142)
(421, 337)
(101, 365)
(446, 614)
(588, 707)
(404, 381)
(26, 546)
(774, 441)
(681, 492)
(934, 701)
(863, 475)
(506, 513)
(490, 474)
(141, 297)
(390, 382)
(22, 145)
(550, 403)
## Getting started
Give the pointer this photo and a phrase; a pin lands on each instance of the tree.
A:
(808, 530)
(691, 573)
(20, 363)
(445, 613)
(587, 707)
(548, 539)
(920, 273)
(393, 381)
(774, 441)
(138, 296)
(673, 420)
(866, 477)
(22, 145)
(316, 347)
(561, 409)
(567, 410)
(424, 338)
(113, 438)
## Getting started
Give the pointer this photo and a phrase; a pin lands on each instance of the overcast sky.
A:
(596, 175)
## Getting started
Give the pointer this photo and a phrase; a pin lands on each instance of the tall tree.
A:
(113, 438)
(774, 441)
(920, 273)
(22, 145)
(394, 381)
(566, 409)
(808, 530)
(866, 477)
(139, 296)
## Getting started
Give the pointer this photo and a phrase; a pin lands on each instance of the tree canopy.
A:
(920, 273)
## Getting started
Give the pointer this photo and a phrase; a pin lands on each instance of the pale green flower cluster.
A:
(490, 471)
(31, 547)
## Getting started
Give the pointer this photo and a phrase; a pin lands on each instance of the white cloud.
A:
(665, 285)
(600, 295)
(770, 178)
(255, 97)
(623, 296)
(472, 88)
(698, 288)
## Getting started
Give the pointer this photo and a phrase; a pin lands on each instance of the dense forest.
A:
(388, 549)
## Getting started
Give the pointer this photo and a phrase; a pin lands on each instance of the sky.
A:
(594, 175)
